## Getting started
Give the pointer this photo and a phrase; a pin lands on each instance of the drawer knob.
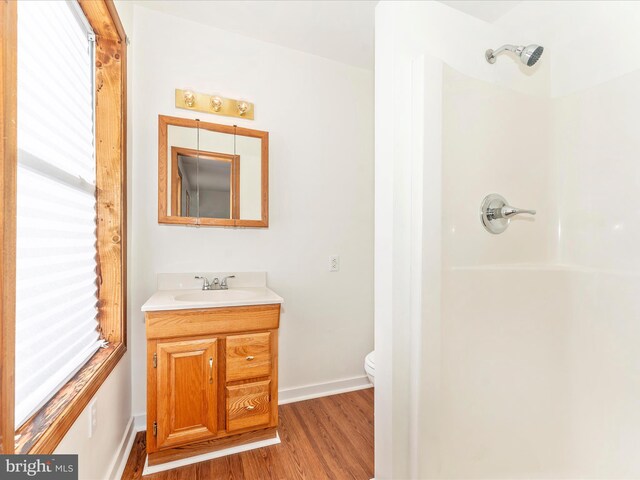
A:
(249, 358)
(250, 407)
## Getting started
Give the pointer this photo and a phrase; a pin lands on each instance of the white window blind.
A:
(56, 280)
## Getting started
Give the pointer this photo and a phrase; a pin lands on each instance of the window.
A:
(62, 214)
(56, 277)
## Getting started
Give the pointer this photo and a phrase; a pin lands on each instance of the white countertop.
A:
(234, 297)
(245, 289)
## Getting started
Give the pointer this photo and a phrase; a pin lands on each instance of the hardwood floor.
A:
(324, 438)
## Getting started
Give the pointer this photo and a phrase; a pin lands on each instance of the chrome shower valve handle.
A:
(508, 211)
(496, 213)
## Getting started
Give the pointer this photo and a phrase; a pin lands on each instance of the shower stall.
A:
(507, 352)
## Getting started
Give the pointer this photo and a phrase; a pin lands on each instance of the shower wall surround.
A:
(559, 335)
(495, 140)
(525, 362)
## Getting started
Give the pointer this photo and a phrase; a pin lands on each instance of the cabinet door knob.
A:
(249, 358)
(250, 407)
(210, 369)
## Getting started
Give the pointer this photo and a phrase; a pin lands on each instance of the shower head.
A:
(528, 55)
(531, 54)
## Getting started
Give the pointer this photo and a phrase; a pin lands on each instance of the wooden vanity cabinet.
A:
(212, 378)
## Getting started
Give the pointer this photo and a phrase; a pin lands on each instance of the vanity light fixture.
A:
(202, 102)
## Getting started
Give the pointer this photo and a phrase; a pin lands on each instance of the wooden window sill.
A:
(45, 429)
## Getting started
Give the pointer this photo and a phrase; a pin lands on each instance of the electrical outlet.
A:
(334, 263)
(93, 417)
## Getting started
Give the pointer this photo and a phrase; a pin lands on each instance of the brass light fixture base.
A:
(201, 102)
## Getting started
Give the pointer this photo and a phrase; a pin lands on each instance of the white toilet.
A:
(370, 367)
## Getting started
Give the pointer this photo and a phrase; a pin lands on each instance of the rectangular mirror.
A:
(212, 174)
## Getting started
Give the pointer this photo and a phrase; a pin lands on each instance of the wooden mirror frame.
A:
(163, 164)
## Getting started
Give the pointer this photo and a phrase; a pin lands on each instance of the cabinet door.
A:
(187, 383)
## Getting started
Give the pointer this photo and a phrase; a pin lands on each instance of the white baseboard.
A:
(140, 422)
(120, 460)
(307, 392)
(149, 469)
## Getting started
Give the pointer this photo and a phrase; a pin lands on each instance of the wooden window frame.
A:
(46, 428)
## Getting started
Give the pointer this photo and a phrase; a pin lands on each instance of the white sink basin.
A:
(234, 297)
(208, 296)
(183, 291)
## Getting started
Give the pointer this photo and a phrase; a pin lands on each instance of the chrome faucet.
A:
(216, 284)
(206, 285)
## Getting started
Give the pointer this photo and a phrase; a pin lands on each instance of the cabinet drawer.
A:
(248, 356)
(248, 405)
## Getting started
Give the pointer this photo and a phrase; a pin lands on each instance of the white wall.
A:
(97, 455)
(319, 114)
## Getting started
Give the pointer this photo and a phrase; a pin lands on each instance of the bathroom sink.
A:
(206, 296)
(177, 292)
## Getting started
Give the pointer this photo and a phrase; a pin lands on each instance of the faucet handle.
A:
(508, 211)
(496, 213)
(223, 284)
(205, 282)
